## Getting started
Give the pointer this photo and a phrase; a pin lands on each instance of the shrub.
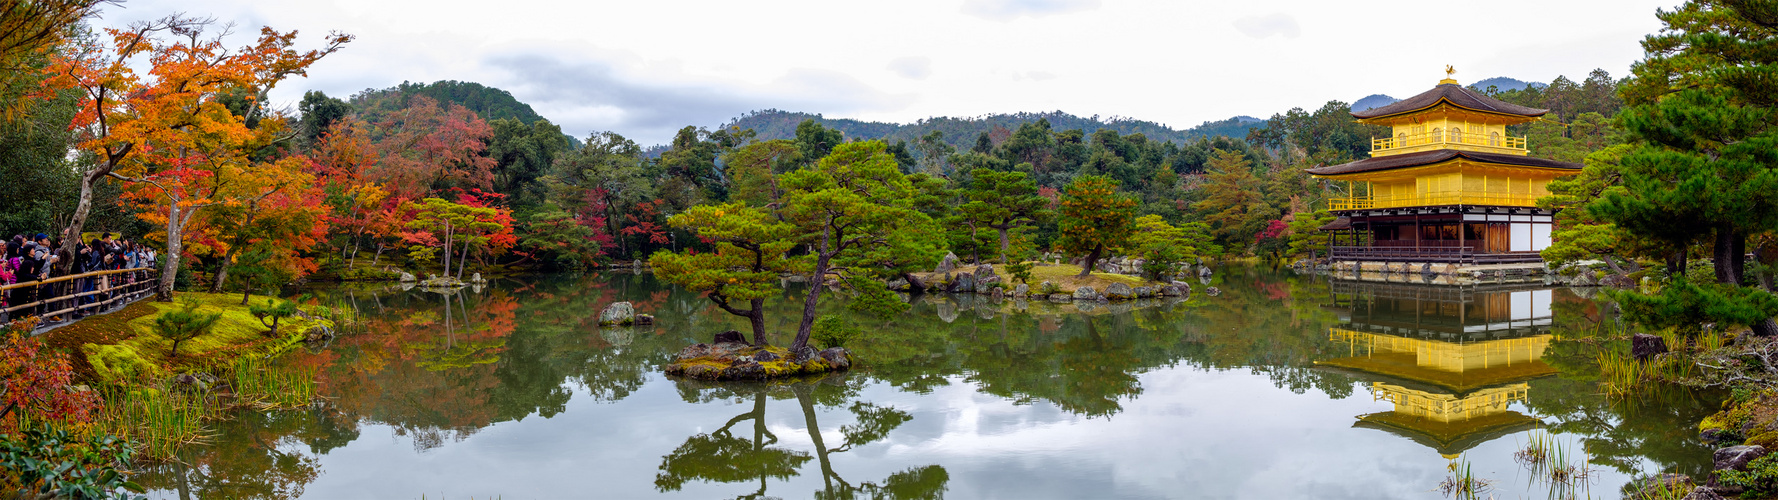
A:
(38, 383)
(1760, 478)
(832, 331)
(184, 324)
(50, 463)
(1048, 288)
(274, 309)
(1020, 271)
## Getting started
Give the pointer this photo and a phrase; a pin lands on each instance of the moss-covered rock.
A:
(738, 361)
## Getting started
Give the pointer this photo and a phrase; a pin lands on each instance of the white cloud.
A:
(914, 67)
(1007, 10)
(644, 69)
(1279, 23)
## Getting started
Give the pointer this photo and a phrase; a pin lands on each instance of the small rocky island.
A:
(730, 357)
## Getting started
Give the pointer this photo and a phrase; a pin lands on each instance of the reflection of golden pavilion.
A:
(1451, 361)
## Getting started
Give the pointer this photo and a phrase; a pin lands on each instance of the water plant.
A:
(1550, 463)
(1461, 482)
(261, 387)
(159, 422)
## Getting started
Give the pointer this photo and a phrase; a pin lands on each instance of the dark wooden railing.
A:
(1455, 254)
(66, 296)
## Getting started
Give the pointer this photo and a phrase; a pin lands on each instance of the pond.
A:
(1283, 386)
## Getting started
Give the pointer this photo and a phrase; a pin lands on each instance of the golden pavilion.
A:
(1450, 361)
(1449, 184)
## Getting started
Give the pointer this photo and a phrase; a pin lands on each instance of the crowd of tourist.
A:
(39, 258)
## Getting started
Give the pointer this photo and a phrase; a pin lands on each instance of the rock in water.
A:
(1644, 346)
(407, 278)
(694, 351)
(900, 285)
(998, 293)
(1703, 493)
(1213, 291)
(730, 336)
(1086, 293)
(965, 283)
(1737, 457)
(1119, 291)
(1021, 290)
(1170, 291)
(618, 313)
(476, 278)
(983, 272)
(644, 319)
(839, 357)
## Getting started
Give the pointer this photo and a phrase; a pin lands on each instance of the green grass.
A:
(1065, 276)
(143, 357)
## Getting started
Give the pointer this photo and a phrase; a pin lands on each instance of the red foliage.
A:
(39, 383)
(1054, 195)
(1272, 231)
(646, 225)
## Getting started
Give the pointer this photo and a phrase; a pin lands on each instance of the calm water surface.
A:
(1284, 386)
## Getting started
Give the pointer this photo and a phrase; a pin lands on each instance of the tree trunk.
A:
(1004, 245)
(1767, 328)
(84, 207)
(1086, 268)
(914, 282)
(757, 318)
(1676, 264)
(1612, 263)
(373, 261)
(175, 247)
(815, 286)
(229, 260)
(461, 260)
(1726, 255)
(447, 249)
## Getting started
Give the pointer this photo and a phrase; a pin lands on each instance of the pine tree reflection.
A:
(721, 457)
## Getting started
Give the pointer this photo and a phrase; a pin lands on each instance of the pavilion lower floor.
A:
(1460, 235)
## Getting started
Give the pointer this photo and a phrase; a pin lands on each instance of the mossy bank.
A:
(122, 348)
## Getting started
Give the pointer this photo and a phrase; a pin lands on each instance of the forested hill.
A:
(487, 102)
(1499, 84)
(962, 132)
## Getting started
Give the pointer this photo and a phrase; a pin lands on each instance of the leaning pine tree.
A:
(1095, 216)
(744, 266)
(852, 201)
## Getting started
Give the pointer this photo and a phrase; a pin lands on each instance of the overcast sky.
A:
(646, 68)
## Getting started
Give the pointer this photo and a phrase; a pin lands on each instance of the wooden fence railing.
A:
(79, 294)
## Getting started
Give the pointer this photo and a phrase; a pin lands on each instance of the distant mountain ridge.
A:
(1500, 84)
(961, 132)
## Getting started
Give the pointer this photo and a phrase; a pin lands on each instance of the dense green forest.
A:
(960, 132)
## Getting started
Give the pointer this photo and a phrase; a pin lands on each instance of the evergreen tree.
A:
(1003, 201)
(1095, 216)
(1707, 158)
